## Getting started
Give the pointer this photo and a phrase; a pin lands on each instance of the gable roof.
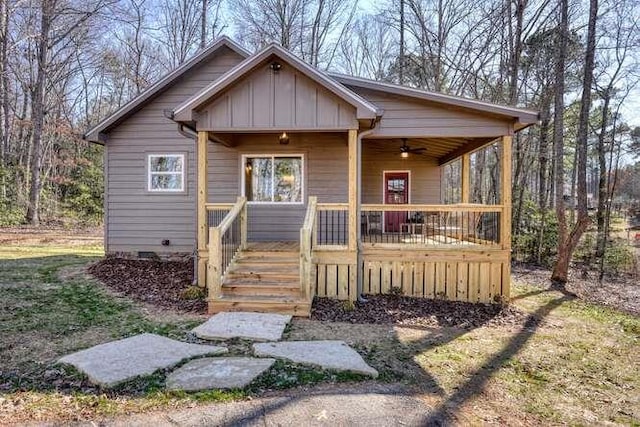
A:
(364, 108)
(523, 117)
(94, 134)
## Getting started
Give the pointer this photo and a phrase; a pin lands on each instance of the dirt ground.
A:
(51, 236)
(622, 293)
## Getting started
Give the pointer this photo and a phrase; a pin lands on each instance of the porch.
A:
(454, 251)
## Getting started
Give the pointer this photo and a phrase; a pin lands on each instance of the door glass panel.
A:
(396, 190)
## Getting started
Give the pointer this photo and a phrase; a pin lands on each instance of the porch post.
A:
(353, 189)
(355, 144)
(505, 218)
(465, 171)
(203, 138)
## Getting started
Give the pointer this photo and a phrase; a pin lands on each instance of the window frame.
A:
(182, 173)
(273, 156)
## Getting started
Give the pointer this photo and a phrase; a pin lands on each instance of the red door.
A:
(396, 192)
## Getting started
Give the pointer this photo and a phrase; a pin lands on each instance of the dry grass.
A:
(568, 363)
(576, 363)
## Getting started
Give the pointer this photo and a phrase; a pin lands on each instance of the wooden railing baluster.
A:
(225, 241)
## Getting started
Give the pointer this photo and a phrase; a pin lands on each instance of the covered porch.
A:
(352, 240)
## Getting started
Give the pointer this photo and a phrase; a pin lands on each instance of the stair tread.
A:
(267, 268)
(261, 298)
(265, 275)
(249, 252)
(244, 281)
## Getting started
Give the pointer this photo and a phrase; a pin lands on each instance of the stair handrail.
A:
(306, 247)
(220, 257)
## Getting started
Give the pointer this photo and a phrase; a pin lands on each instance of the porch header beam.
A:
(469, 148)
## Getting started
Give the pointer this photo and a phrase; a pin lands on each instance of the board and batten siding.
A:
(284, 100)
(380, 155)
(408, 118)
(137, 220)
(326, 173)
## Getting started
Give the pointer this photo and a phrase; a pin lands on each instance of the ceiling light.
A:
(404, 154)
(283, 138)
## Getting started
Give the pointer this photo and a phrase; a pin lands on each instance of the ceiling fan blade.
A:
(417, 150)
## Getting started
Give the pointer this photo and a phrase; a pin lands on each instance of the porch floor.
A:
(273, 246)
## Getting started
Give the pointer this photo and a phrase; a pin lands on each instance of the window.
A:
(166, 172)
(273, 179)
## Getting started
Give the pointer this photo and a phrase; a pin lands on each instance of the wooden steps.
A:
(266, 281)
(262, 304)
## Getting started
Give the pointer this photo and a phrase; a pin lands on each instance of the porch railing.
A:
(307, 233)
(216, 212)
(332, 225)
(431, 225)
(225, 240)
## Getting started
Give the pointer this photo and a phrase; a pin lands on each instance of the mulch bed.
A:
(160, 283)
(408, 311)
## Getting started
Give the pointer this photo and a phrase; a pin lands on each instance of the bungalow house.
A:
(287, 182)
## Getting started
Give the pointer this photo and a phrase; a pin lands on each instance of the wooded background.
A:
(65, 64)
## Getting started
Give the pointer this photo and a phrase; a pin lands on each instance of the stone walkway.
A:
(216, 373)
(250, 326)
(336, 355)
(115, 362)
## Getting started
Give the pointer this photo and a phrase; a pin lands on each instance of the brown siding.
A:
(404, 117)
(378, 157)
(284, 100)
(136, 220)
(326, 174)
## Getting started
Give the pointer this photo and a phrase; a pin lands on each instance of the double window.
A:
(273, 178)
(165, 173)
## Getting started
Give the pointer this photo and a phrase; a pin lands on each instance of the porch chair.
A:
(372, 222)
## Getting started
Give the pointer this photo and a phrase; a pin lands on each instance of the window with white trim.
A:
(273, 178)
(165, 172)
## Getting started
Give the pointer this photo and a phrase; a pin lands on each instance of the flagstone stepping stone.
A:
(252, 326)
(220, 372)
(114, 362)
(335, 355)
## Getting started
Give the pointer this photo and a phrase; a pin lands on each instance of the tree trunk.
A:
(203, 25)
(603, 193)
(562, 262)
(37, 116)
(568, 243)
(4, 95)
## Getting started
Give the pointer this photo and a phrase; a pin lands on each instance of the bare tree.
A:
(370, 49)
(312, 29)
(49, 45)
(567, 241)
(181, 23)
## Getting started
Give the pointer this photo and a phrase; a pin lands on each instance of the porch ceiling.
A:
(444, 149)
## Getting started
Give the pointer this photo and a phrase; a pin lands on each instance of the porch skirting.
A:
(472, 275)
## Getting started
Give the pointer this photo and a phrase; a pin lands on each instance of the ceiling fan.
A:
(405, 149)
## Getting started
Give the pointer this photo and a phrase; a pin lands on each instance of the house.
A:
(289, 182)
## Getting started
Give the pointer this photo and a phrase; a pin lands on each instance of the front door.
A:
(396, 192)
